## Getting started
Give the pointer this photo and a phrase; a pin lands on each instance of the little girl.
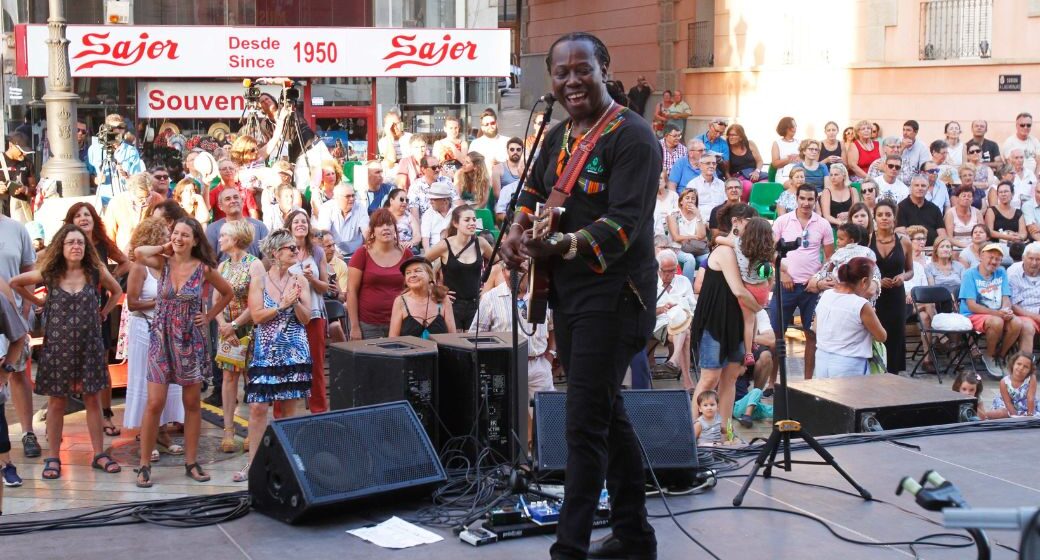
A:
(969, 384)
(708, 427)
(755, 271)
(1018, 389)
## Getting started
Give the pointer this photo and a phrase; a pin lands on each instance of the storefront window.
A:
(341, 92)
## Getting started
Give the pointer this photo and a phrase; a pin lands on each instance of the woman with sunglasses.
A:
(837, 196)
(408, 229)
(280, 369)
(895, 260)
(962, 217)
(984, 176)
(869, 189)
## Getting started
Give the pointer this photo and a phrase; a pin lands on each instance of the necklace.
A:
(285, 284)
(567, 129)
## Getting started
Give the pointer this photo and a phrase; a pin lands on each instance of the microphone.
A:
(548, 99)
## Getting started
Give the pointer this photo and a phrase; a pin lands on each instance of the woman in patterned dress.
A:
(73, 357)
(177, 348)
(280, 370)
(235, 323)
(82, 214)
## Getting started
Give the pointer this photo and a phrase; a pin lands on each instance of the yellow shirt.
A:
(340, 268)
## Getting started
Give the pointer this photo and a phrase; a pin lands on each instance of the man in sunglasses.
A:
(509, 171)
(18, 182)
(890, 146)
(813, 233)
(1023, 140)
(128, 162)
(490, 143)
(419, 194)
(889, 184)
(990, 151)
(937, 193)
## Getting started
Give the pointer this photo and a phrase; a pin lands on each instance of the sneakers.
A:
(30, 447)
(991, 367)
(745, 421)
(10, 474)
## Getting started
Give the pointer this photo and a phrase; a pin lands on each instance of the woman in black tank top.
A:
(412, 315)
(462, 256)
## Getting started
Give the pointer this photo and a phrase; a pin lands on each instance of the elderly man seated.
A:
(1024, 279)
(985, 300)
(674, 307)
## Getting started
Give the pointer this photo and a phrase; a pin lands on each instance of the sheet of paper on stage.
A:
(395, 533)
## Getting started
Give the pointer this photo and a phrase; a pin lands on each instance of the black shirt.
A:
(611, 207)
(637, 97)
(20, 172)
(990, 149)
(928, 215)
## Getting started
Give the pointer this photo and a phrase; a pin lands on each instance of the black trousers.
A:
(596, 349)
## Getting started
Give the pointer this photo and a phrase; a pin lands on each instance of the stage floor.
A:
(994, 469)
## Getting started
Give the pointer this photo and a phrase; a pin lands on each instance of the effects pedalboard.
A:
(525, 519)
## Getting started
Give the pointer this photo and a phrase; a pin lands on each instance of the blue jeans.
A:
(798, 298)
(640, 371)
(710, 353)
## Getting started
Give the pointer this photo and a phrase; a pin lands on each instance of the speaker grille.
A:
(341, 455)
(662, 419)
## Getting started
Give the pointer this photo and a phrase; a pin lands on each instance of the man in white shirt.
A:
(1024, 280)
(1025, 180)
(889, 185)
(1022, 140)
(419, 194)
(711, 191)
(674, 308)
(1031, 215)
(490, 144)
(438, 217)
(346, 221)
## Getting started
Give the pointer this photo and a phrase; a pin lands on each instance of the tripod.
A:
(785, 429)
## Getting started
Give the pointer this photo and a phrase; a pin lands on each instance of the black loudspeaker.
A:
(480, 396)
(663, 421)
(868, 403)
(365, 372)
(341, 459)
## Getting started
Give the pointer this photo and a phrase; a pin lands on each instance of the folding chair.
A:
(943, 301)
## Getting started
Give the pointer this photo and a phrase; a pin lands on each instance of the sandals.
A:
(242, 475)
(144, 476)
(50, 472)
(195, 472)
(110, 466)
(228, 445)
(171, 449)
(111, 430)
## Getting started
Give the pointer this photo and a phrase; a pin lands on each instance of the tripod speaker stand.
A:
(785, 429)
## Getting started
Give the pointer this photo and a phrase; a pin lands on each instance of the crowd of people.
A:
(868, 218)
(225, 272)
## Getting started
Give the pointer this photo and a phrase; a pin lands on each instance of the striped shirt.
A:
(495, 315)
(671, 157)
(1025, 290)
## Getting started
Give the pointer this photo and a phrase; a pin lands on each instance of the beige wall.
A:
(816, 60)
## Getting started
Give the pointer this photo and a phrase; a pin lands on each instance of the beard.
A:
(515, 158)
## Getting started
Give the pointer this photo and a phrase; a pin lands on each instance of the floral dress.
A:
(1018, 398)
(237, 274)
(72, 360)
(177, 349)
(281, 366)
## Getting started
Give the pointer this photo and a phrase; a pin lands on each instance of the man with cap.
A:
(126, 157)
(438, 217)
(419, 193)
(986, 301)
(18, 183)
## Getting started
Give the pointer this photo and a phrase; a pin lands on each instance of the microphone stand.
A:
(514, 276)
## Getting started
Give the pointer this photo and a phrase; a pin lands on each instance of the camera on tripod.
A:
(108, 136)
(290, 95)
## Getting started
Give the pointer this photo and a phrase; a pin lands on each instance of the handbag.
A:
(878, 361)
(232, 354)
(695, 247)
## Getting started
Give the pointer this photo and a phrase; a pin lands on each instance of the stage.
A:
(993, 469)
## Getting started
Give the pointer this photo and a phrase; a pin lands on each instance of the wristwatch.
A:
(234, 325)
(573, 250)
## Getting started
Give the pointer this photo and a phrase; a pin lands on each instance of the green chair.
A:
(772, 173)
(486, 221)
(763, 198)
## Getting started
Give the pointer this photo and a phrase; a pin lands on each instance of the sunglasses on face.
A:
(517, 150)
(974, 151)
(896, 167)
(292, 248)
(869, 191)
(932, 171)
(1026, 125)
(162, 177)
(434, 167)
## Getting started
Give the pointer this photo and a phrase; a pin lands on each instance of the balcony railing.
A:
(956, 29)
(701, 38)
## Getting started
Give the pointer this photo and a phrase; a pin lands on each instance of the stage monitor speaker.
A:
(366, 372)
(480, 395)
(341, 459)
(662, 419)
(866, 403)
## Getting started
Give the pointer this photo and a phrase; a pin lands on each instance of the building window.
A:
(701, 38)
(956, 29)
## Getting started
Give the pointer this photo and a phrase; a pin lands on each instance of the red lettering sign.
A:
(428, 53)
(98, 52)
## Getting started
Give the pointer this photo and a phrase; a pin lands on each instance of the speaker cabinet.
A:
(480, 395)
(366, 372)
(341, 459)
(663, 420)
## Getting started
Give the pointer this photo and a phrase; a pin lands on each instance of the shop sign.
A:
(303, 52)
(193, 100)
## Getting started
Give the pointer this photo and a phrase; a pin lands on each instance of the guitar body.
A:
(547, 222)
